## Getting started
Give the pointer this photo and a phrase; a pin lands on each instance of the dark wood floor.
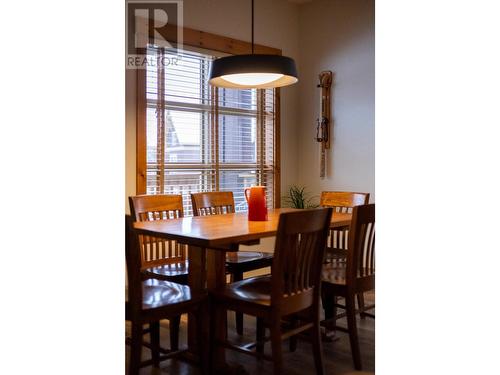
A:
(337, 354)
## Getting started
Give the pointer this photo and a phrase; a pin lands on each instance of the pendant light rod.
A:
(252, 24)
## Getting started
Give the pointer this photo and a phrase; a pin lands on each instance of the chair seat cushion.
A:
(159, 293)
(247, 256)
(255, 290)
(244, 261)
(175, 271)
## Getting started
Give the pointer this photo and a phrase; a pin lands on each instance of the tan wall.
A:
(339, 35)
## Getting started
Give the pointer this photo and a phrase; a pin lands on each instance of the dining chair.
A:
(342, 201)
(222, 202)
(292, 289)
(161, 259)
(149, 301)
(352, 277)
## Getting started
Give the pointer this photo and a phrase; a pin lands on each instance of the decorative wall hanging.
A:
(324, 119)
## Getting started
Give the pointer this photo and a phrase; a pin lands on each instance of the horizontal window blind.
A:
(201, 138)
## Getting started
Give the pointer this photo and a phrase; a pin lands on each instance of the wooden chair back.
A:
(156, 207)
(298, 258)
(133, 260)
(361, 249)
(212, 203)
(341, 201)
(156, 251)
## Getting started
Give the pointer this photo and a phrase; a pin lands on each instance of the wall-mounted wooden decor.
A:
(324, 119)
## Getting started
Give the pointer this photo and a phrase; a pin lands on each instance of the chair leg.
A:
(353, 330)
(154, 334)
(238, 276)
(361, 305)
(261, 333)
(135, 349)
(293, 339)
(174, 332)
(276, 347)
(329, 302)
(317, 349)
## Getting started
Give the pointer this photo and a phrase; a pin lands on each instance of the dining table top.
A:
(224, 231)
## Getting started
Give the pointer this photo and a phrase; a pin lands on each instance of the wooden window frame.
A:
(213, 42)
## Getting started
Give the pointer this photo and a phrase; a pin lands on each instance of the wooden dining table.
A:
(208, 239)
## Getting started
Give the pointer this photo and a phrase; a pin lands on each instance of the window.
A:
(201, 138)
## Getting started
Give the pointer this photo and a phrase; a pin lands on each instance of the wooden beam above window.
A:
(216, 42)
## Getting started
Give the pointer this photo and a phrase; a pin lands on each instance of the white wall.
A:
(338, 35)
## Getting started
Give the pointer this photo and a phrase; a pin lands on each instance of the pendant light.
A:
(253, 71)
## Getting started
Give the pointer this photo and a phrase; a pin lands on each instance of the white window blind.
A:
(201, 138)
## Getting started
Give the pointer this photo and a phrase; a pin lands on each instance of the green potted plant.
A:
(298, 197)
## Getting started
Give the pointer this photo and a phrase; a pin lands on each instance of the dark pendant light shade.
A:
(253, 71)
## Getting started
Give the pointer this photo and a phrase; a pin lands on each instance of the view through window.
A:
(201, 138)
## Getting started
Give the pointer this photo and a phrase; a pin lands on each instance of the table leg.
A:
(196, 279)
(216, 278)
